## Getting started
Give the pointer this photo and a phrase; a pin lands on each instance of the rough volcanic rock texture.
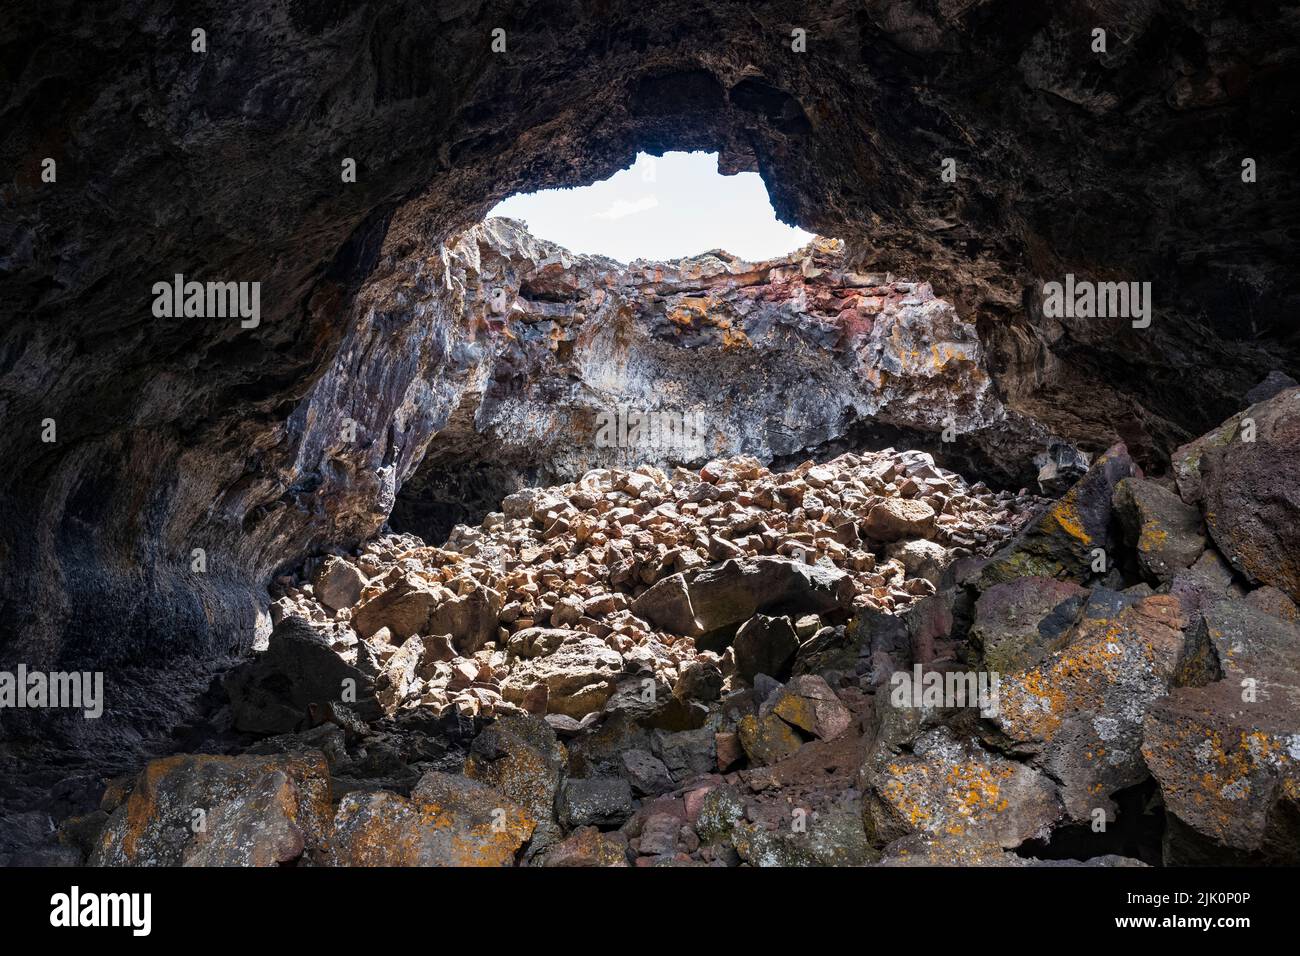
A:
(197, 433)
(564, 363)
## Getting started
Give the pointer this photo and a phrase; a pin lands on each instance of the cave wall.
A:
(569, 363)
(176, 434)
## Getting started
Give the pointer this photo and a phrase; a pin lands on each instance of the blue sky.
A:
(662, 207)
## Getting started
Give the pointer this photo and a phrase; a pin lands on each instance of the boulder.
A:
(600, 801)
(765, 645)
(580, 676)
(338, 583)
(412, 606)
(647, 774)
(687, 753)
(1020, 622)
(1062, 542)
(922, 558)
(1251, 493)
(1080, 711)
(720, 809)
(470, 619)
(951, 786)
(1229, 775)
(449, 820)
(587, 846)
(1205, 583)
(1166, 532)
(718, 599)
(896, 518)
(807, 702)
(699, 680)
(403, 608)
(207, 810)
(767, 739)
(833, 836)
(296, 674)
(521, 758)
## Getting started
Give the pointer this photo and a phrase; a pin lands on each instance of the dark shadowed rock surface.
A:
(277, 691)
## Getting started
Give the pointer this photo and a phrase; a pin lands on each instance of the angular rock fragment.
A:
(767, 739)
(599, 801)
(1064, 541)
(1250, 484)
(207, 810)
(897, 518)
(580, 676)
(808, 703)
(1020, 622)
(1166, 533)
(765, 645)
(276, 691)
(338, 583)
(587, 846)
(724, 597)
(952, 787)
(449, 820)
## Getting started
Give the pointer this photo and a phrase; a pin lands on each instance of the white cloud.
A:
(622, 207)
(689, 209)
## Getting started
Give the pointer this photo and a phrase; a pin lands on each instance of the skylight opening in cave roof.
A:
(660, 208)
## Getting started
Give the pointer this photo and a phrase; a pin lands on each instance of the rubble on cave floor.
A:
(548, 604)
(640, 669)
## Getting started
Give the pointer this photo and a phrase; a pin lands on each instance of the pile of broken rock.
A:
(569, 590)
(637, 669)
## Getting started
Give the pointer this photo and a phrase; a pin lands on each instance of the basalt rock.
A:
(1073, 533)
(721, 598)
(1250, 484)
(1167, 533)
(1020, 622)
(448, 821)
(200, 810)
(296, 675)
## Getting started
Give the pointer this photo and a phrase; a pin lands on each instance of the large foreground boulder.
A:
(521, 758)
(1229, 775)
(449, 820)
(1246, 475)
(1079, 712)
(1065, 540)
(952, 787)
(205, 810)
(1227, 755)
